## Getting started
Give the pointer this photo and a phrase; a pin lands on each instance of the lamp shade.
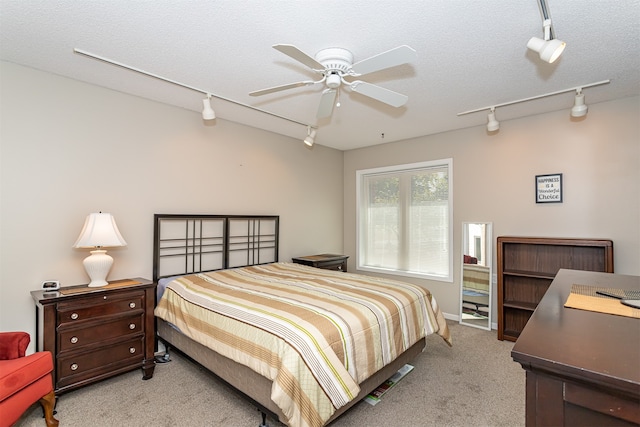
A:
(100, 230)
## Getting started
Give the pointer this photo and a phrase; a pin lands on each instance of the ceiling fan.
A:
(336, 65)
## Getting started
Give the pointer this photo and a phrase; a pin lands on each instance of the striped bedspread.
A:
(315, 333)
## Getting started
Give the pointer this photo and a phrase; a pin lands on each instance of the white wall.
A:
(493, 180)
(68, 149)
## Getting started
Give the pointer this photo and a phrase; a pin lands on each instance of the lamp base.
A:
(97, 283)
(97, 266)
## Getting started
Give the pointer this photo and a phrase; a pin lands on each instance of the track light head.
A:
(492, 124)
(579, 108)
(311, 136)
(207, 111)
(548, 48)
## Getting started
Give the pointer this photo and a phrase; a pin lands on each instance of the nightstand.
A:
(325, 261)
(96, 333)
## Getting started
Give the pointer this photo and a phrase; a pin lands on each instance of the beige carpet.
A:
(474, 383)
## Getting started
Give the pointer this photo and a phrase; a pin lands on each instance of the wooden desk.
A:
(582, 367)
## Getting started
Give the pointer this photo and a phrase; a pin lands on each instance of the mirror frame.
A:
(488, 261)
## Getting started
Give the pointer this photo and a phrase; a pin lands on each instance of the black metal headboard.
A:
(185, 244)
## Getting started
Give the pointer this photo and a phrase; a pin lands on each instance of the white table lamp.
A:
(99, 231)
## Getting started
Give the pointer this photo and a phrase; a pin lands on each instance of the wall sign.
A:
(549, 188)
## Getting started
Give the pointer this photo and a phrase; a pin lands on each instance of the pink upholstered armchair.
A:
(24, 380)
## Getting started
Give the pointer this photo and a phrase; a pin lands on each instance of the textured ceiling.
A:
(470, 54)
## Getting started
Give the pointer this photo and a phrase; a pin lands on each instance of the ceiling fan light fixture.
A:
(333, 80)
(579, 108)
(207, 111)
(492, 124)
(311, 136)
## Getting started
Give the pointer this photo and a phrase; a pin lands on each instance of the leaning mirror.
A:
(475, 290)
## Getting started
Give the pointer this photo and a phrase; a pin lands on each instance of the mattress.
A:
(315, 334)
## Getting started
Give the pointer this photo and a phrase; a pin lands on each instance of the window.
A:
(404, 216)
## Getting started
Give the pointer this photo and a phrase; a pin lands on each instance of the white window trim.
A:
(402, 168)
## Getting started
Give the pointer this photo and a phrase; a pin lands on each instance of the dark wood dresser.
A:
(582, 367)
(325, 261)
(96, 333)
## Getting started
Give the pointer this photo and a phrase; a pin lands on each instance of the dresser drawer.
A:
(100, 305)
(332, 265)
(76, 367)
(70, 339)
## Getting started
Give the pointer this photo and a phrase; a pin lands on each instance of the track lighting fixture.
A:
(579, 107)
(207, 111)
(311, 136)
(492, 124)
(548, 48)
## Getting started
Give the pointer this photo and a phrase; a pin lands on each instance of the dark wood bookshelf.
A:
(528, 265)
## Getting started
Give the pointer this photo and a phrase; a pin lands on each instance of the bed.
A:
(270, 329)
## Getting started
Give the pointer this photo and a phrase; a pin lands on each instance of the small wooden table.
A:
(326, 261)
(582, 367)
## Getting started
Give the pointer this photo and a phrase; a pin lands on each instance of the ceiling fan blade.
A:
(282, 87)
(378, 93)
(391, 58)
(299, 56)
(326, 103)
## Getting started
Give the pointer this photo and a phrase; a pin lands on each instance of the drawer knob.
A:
(74, 316)
(132, 326)
(74, 340)
(132, 350)
(132, 305)
(74, 366)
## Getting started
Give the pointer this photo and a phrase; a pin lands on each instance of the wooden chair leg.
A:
(48, 402)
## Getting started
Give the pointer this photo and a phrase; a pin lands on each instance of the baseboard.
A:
(450, 316)
(456, 318)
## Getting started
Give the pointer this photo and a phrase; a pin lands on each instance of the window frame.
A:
(404, 168)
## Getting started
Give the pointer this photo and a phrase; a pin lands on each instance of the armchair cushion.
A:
(24, 380)
(17, 374)
(13, 344)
